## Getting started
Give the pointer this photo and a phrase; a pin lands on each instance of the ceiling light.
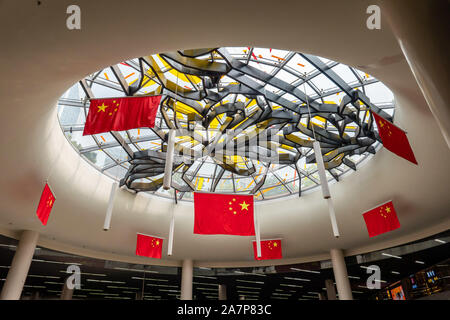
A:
(419, 262)
(85, 273)
(368, 268)
(309, 271)
(395, 272)
(298, 279)
(205, 277)
(440, 241)
(391, 255)
(136, 270)
(281, 294)
(105, 281)
(153, 279)
(40, 276)
(239, 280)
(290, 285)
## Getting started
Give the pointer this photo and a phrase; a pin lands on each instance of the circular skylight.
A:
(283, 98)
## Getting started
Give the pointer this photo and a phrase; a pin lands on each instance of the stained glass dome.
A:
(288, 98)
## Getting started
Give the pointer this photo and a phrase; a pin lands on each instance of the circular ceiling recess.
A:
(221, 99)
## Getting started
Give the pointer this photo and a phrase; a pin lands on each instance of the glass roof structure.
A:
(283, 98)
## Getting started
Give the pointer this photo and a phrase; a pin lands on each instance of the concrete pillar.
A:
(17, 274)
(340, 275)
(222, 292)
(321, 296)
(187, 273)
(66, 293)
(421, 29)
(331, 291)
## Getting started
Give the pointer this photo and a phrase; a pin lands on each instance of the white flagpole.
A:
(321, 170)
(169, 160)
(171, 229)
(324, 185)
(257, 233)
(333, 218)
(112, 195)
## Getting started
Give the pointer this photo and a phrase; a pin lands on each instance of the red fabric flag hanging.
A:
(45, 204)
(118, 114)
(148, 246)
(394, 139)
(381, 219)
(270, 249)
(223, 214)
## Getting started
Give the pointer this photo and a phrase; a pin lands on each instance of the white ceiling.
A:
(40, 59)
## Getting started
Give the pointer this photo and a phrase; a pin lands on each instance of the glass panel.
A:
(71, 116)
(80, 141)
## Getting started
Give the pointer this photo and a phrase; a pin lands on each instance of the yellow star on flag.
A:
(388, 209)
(244, 206)
(102, 107)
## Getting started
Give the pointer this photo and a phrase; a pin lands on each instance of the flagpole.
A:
(322, 175)
(169, 160)
(150, 235)
(377, 206)
(324, 185)
(171, 230)
(167, 181)
(109, 209)
(257, 233)
(333, 218)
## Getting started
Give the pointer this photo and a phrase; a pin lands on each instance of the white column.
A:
(66, 293)
(222, 292)
(17, 274)
(340, 275)
(421, 31)
(187, 273)
(331, 291)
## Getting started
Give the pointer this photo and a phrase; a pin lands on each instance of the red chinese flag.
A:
(270, 249)
(223, 214)
(45, 204)
(148, 246)
(394, 139)
(381, 219)
(118, 114)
